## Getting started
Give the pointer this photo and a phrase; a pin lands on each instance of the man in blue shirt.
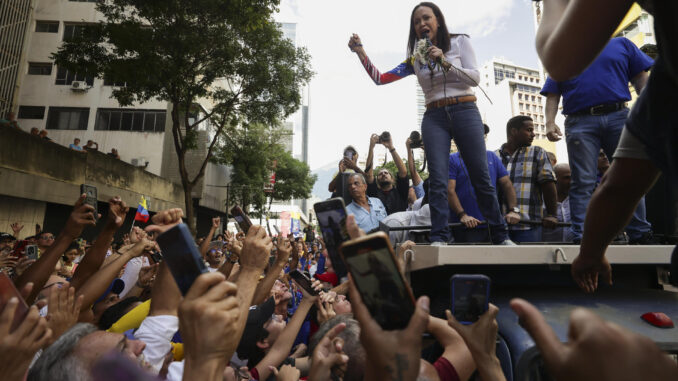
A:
(463, 205)
(595, 105)
(368, 211)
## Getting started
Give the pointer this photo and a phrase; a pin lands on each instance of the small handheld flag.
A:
(142, 211)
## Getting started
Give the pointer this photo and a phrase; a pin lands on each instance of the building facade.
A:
(514, 90)
(14, 20)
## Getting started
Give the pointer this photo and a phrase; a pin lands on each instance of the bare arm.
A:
(333, 184)
(455, 350)
(263, 290)
(452, 198)
(548, 189)
(165, 294)
(96, 255)
(572, 33)
(553, 132)
(508, 191)
(204, 246)
(369, 168)
(402, 171)
(411, 165)
(38, 273)
(282, 346)
(639, 81)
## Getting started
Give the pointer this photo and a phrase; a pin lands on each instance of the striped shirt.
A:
(528, 167)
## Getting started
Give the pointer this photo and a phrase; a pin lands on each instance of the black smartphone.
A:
(155, 256)
(182, 256)
(241, 218)
(303, 281)
(7, 292)
(371, 261)
(470, 297)
(331, 216)
(32, 252)
(90, 193)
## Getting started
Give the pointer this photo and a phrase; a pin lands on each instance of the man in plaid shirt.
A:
(532, 176)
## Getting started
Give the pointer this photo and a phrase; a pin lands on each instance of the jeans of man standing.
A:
(585, 136)
(466, 127)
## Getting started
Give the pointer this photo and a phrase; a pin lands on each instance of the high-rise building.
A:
(14, 20)
(513, 90)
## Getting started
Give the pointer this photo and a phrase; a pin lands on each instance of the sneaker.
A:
(438, 243)
(508, 242)
(646, 239)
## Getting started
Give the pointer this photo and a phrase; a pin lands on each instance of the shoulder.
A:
(375, 201)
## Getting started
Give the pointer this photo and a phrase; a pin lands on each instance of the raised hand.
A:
(165, 220)
(16, 228)
(216, 221)
(328, 356)
(284, 248)
(147, 275)
(63, 310)
(286, 373)
(255, 249)
(117, 211)
(81, 217)
(325, 309)
(17, 348)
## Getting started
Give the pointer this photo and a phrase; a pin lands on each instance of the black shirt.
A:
(394, 200)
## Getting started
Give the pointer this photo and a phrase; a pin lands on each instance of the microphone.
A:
(439, 60)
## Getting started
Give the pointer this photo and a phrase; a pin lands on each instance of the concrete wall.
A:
(35, 169)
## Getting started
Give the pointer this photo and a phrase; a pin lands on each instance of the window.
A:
(65, 77)
(533, 98)
(521, 106)
(31, 112)
(67, 118)
(73, 31)
(130, 120)
(520, 97)
(39, 68)
(109, 82)
(47, 26)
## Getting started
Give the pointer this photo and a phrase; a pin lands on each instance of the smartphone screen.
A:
(241, 218)
(331, 216)
(470, 297)
(7, 292)
(371, 262)
(182, 256)
(303, 281)
(32, 252)
(90, 196)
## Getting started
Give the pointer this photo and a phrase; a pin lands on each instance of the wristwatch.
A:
(515, 209)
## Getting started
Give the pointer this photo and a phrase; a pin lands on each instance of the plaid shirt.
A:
(528, 167)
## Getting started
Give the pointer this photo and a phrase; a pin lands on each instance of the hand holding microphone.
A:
(435, 53)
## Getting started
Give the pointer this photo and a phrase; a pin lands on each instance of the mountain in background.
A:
(325, 175)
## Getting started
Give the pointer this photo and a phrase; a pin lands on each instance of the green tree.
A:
(255, 151)
(228, 55)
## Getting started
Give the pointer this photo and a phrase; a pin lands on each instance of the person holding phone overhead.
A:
(446, 68)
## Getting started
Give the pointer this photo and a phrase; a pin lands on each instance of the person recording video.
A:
(446, 68)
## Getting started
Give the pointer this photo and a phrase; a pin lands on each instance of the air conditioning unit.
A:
(79, 86)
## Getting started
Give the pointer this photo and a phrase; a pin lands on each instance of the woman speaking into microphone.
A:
(446, 69)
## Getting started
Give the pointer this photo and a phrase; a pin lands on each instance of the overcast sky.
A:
(345, 105)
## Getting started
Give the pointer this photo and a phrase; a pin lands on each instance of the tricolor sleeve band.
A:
(400, 71)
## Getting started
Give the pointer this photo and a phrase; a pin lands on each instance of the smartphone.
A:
(371, 261)
(32, 252)
(348, 154)
(90, 193)
(303, 281)
(182, 256)
(155, 256)
(470, 297)
(7, 292)
(331, 216)
(241, 218)
(19, 246)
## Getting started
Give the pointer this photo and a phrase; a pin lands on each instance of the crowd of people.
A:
(111, 309)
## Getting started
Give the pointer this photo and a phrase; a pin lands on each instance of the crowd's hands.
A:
(255, 249)
(328, 357)
(83, 215)
(117, 211)
(208, 321)
(147, 275)
(6, 260)
(585, 272)
(16, 229)
(286, 373)
(23, 264)
(63, 310)
(284, 248)
(165, 220)
(299, 351)
(435, 53)
(325, 305)
(391, 355)
(481, 340)
(18, 347)
(553, 132)
(216, 221)
(596, 349)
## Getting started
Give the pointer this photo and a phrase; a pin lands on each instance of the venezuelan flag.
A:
(142, 211)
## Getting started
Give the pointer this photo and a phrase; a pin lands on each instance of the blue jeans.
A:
(585, 136)
(531, 235)
(466, 127)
